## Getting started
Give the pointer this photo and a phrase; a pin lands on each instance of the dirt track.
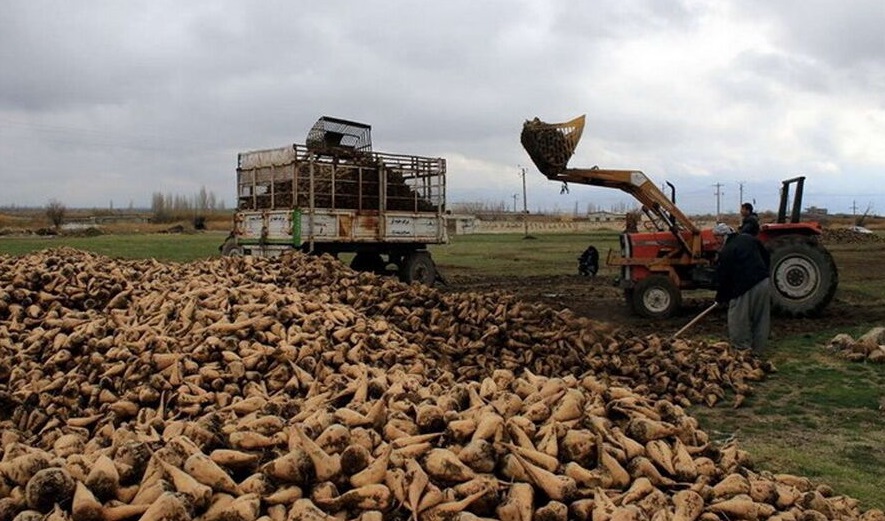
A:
(597, 298)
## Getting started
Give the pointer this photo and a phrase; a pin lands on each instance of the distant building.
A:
(460, 224)
(114, 218)
(814, 210)
(604, 217)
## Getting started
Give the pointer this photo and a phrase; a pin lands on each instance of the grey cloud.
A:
(759, 79)
(844, 35)
(160, 96)
(624, 20)
(59, 56)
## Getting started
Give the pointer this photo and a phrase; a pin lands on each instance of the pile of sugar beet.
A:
(238, 389)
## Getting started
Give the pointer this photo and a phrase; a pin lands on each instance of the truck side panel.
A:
(399, 227)
(296, 228)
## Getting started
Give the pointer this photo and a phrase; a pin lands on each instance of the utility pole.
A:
(718, 193)
(854, 208)
(514, 202)
(525, 206)
(741, 185)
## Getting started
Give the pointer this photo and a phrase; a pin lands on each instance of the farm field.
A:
(818, 415)
(545, 269)
(178, 247)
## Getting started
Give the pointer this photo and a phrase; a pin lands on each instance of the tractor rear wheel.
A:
(656, 297)
(803, 276)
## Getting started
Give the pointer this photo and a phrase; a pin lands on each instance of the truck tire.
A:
(231, 248)
(418, 267)
(368, 262)
(803, 276)
(656, 297)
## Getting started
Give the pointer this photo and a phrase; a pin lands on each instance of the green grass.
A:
(818, 416)
(860, 277)
(502, 254)
(161, 246)
(514, 255)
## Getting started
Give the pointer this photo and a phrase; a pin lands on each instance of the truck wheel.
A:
(803, 276)
(656, 297)
(231, 248)
(418, 267)
(368, 262)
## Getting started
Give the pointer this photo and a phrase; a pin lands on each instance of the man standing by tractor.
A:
(749, 220)
(742, 270)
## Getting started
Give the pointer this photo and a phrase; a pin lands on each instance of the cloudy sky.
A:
(107, 102)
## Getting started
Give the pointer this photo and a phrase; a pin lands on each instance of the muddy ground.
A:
(597, 298)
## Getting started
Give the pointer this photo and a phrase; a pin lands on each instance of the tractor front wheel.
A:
(656, 297)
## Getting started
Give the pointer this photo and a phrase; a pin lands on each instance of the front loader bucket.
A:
(551, 145)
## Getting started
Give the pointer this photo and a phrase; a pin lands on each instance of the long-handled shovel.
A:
(701, 315)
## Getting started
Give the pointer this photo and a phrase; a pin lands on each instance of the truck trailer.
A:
(335, 195)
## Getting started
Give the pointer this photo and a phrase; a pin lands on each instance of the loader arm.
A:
(551, 146)
(667, 215)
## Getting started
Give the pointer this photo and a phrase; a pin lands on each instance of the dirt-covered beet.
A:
(48, 487)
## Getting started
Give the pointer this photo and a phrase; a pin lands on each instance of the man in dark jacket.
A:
(588, 262)
(742, 271)
(749, 220)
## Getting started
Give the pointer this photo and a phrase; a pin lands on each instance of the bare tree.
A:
(161, 210)
(202, 202)
(619, 207)
(55, 212)
(859, 221)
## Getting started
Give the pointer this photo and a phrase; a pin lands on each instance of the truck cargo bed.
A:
(294, 197)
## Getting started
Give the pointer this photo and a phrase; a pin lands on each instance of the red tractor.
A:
(674, 254)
